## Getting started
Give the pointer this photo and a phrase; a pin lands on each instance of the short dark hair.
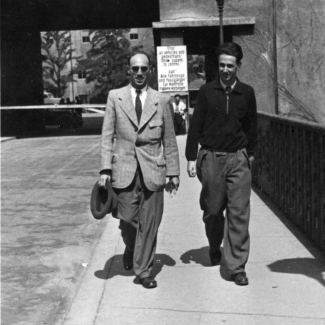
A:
(133, 54)
(232, 49)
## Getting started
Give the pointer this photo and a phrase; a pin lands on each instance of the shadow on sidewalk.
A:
(201, 256)
(198, 256)
(114, 266)
(311, 267)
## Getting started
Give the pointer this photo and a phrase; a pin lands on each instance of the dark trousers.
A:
(226, 185)
(140, 212)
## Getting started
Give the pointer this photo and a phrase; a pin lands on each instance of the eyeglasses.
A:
(136, 69)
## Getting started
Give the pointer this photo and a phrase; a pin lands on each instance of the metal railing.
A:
(290, 169)
(98, 108)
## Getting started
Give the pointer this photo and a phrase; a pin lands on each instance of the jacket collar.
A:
(238, 86)
(148, 110)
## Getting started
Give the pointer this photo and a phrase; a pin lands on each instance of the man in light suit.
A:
(137, 164)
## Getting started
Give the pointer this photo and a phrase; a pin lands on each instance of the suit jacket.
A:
(151, 143)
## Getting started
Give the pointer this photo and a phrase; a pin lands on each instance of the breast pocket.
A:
(155, 129)
(241, 112)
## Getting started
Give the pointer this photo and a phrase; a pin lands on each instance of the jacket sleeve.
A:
(108, 131)
(250, 123)
(170, 143)
(196, 127)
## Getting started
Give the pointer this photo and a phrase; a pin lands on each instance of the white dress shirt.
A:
(142, 96)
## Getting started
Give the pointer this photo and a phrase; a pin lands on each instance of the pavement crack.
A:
(219, 312)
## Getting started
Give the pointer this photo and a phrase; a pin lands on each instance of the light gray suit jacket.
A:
(151, 142)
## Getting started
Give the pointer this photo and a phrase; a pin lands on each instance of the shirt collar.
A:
(224, 86)
(236, 87)
(144, 89)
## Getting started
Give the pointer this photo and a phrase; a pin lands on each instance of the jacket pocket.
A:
(155, 129)
(161, 161)
(241, 111)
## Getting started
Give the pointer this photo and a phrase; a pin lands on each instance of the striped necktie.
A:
(138, 105)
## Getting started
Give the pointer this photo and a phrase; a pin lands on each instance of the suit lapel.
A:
(149, 108)
(127, 104)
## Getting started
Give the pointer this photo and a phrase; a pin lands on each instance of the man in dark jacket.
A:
(224, 124)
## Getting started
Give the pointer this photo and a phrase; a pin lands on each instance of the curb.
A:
(85, 304)
(7, 139)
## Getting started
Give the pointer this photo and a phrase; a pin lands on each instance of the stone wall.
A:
(300, 49)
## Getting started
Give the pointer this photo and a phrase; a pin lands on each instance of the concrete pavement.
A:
(61, 266)
(47, 232)
(286, 273)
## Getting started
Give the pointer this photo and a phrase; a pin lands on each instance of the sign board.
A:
(172, 68)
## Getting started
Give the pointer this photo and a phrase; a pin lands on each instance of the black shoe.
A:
(240, 278)
(215, 257)
(149, 282)
(128, 259)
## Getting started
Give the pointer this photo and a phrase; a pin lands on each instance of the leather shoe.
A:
(240, 278)
(128, 259)
(149, 282)
(215, 258)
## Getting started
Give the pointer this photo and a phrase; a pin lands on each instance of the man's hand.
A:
(191, 168)
(102, 180)
(175, 182)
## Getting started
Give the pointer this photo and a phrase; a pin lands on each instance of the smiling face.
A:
(139, 69)
(228, 68)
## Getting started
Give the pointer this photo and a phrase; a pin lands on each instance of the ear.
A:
(128, 70)
(239, 65)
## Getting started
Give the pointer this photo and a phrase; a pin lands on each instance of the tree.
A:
(57, 47)
(106, 62)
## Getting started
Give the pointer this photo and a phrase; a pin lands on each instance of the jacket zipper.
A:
(227, 103)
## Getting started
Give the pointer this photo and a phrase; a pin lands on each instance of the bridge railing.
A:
(290, 169)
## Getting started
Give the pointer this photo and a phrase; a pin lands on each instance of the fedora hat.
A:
(103, 200)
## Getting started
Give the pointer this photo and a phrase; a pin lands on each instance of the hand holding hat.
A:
(103, 200)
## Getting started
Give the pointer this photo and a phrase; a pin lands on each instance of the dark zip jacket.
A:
(222, 122)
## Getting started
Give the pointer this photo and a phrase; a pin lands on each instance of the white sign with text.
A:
(172, 68)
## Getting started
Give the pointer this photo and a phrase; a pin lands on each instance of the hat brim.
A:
(102, 201)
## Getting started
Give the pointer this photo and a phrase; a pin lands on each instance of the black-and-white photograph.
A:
(162, 162)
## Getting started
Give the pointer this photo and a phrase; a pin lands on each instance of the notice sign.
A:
(172, 68)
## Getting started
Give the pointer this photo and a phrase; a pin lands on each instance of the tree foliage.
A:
(57, 47)
(107, 61)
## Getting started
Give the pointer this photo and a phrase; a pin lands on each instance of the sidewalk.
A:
(286, 273)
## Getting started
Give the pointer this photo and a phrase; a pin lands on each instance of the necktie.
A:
(138, 105)
(228, 90)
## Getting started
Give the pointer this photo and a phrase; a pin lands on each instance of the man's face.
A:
(177, 100)
(228, 69)
(139, 69)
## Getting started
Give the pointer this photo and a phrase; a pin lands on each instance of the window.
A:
(85, 36)
(82, 75)
(134, 36)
